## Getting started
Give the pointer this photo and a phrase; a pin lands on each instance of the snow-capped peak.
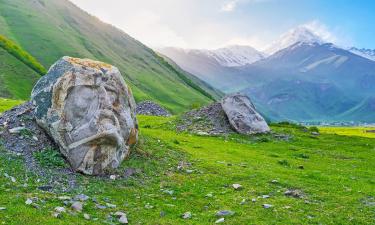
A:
(299, 34)
(236, 55)
(366, 53)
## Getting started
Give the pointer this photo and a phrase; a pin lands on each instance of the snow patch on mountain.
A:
(299, 34)
(366, 53)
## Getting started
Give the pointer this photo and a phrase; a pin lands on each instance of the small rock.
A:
(315, 133)
(81, 197)
(60, 209)
(221, 220)
(45, 188)
(189, 171)
(2, 208)
(16, 130)
(209, 195)
(254, 200)
(56, 215)
(202, 133)
(237, 186)
(98, 206)
(77, 206)
(113, 177)
(274, 181)
(123, 220)
(148, 206)
(13, 179)
(186, 215)
(295, 193)
(267, 206)
(119, 214)
(162, 214)
(29, 201)
(111, 205)
(265, 196)
(86, 216)
(224, 213)
(243, 202)
(64, 198)
(169, 192)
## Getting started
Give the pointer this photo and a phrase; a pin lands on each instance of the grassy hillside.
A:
(6, 104)
(54, 28)
(18, 71)
(334, 174)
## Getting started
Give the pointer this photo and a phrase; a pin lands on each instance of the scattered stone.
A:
(265, 196)
(189, 171)
(274, 181)
(148, 206)
(60, 209)
(243, 202)
(242, 115)
(16, 130)
(186, 215)
(85, 106)
(267, 206)
(225, 213)
(221, 220)
(237, 186)
(98, 206)
(112, 177)
(29, 202)
(202, 133)
(209, 195)
(77, 206)
(86, 216)
(151, 108)
(57, 215)
(295, 193)
(119, 214)
(123, 220)
(315, 133)
(45, 188)
(169, 192)
(64, 198)
(111, 205)
(13, 179)
(2, 208)
(81, 197)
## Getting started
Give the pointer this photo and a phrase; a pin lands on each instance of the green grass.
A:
(6, 104)
(49, 30)
(22, 55)
(335, 173)
(349, 131)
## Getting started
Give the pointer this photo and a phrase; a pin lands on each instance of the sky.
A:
(211, 24)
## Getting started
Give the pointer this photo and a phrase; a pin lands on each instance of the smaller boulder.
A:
(150, 108)
(243, 116)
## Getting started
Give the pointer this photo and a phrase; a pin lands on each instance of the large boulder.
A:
(89, 111)
(242, 115)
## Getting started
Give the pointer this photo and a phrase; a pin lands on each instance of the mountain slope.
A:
(312, 81)
(18, 71)
(366, 53)
(212, 66)
(54, 28)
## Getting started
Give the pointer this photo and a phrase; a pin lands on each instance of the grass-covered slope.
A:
(54, 28)
(334, 174)
(18, 70)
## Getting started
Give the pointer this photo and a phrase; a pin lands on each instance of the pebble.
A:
(16, 130)
(265, 196)
(86, 216)
(119, 214)
(77, 206)
(13, 179)
(60, 209)
(112, 177)
(111, 205)
(186, 215)
(64, 198)
(221, 220)
(123, 220)
(29, 201)
(98, 206)
(267, 206)
(254, 200)
(56, 215)
(209, 195)
(81, 197)
(274, 181)
(148, 206)
(237, 186)
(294, 193)
(2, 208)
(225, 213)
(243, 202)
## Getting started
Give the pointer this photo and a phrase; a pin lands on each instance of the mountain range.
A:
(50, 29)
(299, 77)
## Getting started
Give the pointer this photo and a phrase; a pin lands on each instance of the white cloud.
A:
(229, 6)
(321, 30)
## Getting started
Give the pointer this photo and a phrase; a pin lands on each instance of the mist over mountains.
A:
(300, 77)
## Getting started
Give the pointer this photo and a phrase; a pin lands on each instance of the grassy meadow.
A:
(181, 172)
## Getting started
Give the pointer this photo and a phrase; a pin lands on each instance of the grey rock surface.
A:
(151, 108)
(242, 115)
(89, 111)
